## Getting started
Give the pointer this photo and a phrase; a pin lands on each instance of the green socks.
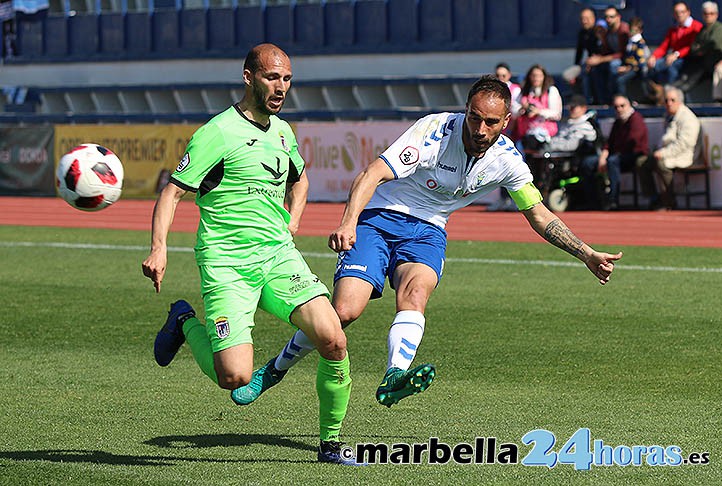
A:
(333, 385)
(200, 345)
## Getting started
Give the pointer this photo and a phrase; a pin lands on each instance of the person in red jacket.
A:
(627, 147)
(666, 61)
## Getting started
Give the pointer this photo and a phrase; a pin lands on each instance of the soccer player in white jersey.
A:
(393, 226)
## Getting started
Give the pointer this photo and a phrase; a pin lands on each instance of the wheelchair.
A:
(557, 176)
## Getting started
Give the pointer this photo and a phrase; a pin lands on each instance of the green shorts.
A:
(231, 295)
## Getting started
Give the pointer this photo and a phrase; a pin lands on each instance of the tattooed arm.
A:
(552, 229)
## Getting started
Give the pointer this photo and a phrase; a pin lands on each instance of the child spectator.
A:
(634, 60)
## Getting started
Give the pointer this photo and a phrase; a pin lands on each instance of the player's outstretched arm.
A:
(362, 188)
(552, 229)
(296, 197)
(154, 266)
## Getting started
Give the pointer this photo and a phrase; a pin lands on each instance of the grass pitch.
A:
(519, 345)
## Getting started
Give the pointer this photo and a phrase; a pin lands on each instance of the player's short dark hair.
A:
(491, 85)
(503, 65)
(252, 62)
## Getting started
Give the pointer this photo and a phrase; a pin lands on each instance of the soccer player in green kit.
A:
(242, 165)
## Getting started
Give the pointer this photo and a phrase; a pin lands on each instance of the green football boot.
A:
(398, 383)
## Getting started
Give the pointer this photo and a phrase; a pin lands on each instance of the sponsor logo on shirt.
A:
(447, 167)
(279, 193)
(409, 156)
(432, 184)
(184, 162)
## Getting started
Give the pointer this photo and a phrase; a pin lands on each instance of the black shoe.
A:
(335, 452)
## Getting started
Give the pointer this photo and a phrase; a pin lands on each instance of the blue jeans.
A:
(616, 164)
(599, 76)
(588, 170)
(664, 74)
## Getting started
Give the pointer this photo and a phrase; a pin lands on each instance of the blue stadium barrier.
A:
(536, 23)
(469, 18)
(502, 24)
(567, 23)
(250, 27)
(435, 22)
(371, 23)
(163, 4)
(138, 41)
(308, 26)
(193, 30)
(112, 33)
(55, 36)
(30, 38)
(83, 35)
(339, 21)
(403, 22)
(221, 29)
(164, 31)
(279, 24)
(657, 19)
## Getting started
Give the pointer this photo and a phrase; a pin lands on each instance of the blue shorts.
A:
(385, 239)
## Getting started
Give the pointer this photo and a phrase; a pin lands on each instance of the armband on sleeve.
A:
(526, 197)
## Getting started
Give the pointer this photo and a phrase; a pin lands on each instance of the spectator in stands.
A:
(7, 19)
(540, 109)
(679, 147)
(578, 131)
(666, 61)
(603, 66)
(588, 44)
(634, 61)
(503, 73)
(626, 148)
(705, 55)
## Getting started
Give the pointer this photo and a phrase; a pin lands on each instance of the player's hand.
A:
(293, 226)
(154, 268)
(602, 265)
(343, 238)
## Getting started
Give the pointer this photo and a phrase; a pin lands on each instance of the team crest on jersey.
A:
(476, 184)
(283, 142)
(409, 156)
(223, 329)
(184, 162)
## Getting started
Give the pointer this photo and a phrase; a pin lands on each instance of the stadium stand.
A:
(78, 39)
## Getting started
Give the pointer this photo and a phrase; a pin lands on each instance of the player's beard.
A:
(260, 99)
(480, 146)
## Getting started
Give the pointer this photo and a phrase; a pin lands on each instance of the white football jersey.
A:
(433, 178)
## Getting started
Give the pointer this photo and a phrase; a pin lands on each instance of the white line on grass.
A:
(487, 261)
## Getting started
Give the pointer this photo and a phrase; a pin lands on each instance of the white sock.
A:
(294, 351)
(404, 338)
